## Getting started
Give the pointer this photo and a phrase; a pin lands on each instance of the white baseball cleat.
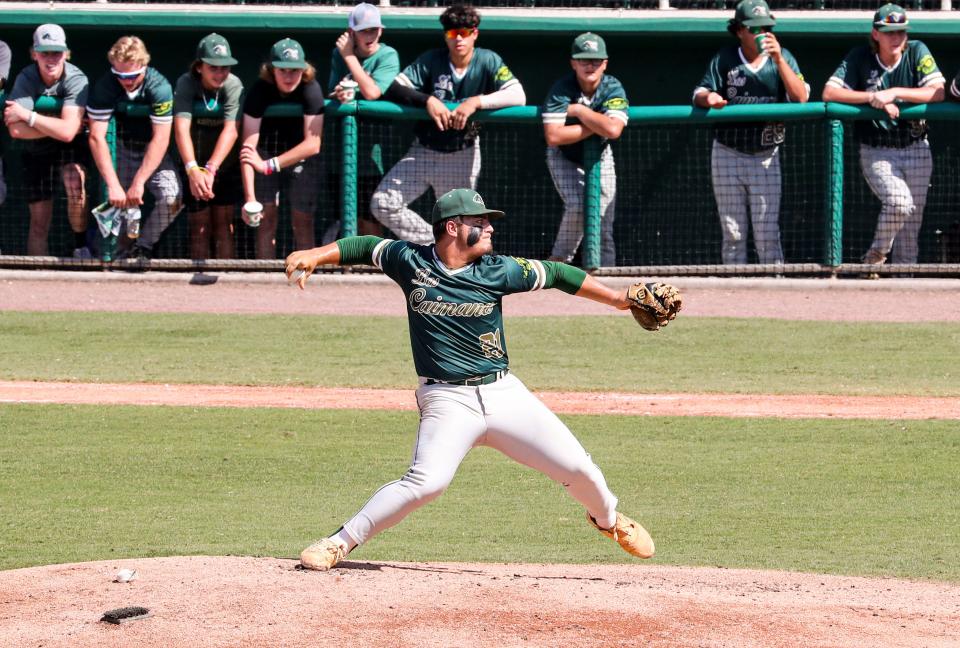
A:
(631, 537)
(322, 555)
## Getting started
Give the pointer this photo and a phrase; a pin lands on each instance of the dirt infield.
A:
(254, 602)
(242, 601)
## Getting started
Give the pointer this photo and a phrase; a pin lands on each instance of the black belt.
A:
(471, 382)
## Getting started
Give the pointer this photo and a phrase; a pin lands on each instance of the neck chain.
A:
(211, 104)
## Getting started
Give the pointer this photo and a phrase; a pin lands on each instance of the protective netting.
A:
(670, 188)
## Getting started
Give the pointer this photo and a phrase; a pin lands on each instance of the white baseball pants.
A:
(747, 186)
(503, 415)
(900, 178)
(410, 178)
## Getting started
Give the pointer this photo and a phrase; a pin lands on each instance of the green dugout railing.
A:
(833, 114)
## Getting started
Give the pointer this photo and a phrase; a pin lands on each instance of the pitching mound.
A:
(219, 601)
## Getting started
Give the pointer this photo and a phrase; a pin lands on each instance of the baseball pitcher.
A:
(467, 395)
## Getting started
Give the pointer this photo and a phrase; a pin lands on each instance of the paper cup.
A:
(252, 213)
(349, 89)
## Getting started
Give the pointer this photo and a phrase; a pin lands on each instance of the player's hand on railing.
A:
(458, 118)
(881, 99)
(439, 113)
(714, 100)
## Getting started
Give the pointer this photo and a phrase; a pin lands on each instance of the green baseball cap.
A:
(754, 13)
(588, 46)
(461, 202)
(890, 17)
(288, 53)
(215, 50)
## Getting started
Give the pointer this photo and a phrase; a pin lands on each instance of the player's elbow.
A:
(829, 93)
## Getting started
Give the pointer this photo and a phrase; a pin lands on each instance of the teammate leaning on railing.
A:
(585, 103)
(894, 154)
(54, 149)
(745, 161)
(280, 154)
(360, 59)
(446, 154)
(142, 159)
(207, 146)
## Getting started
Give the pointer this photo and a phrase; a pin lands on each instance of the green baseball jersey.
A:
(455, 317)
(205, 130)
(609, 99)
(433, 73)
(862, 70)
(383, 66)
(71, 88)
(155, 92)
(730, 75)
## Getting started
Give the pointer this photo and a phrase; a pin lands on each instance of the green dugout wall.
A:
(658, 55)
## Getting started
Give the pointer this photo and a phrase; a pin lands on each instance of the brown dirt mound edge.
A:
(246, 601)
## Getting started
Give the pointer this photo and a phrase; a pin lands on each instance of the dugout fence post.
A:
(590, 249)
(833, 221)
(349, 141)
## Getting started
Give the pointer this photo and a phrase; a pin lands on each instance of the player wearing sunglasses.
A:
(142, 159)
(446, 153)
(894, 153)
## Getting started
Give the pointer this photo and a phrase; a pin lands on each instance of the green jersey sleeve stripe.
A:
(564, 277)
(357, 249)
(377, 254)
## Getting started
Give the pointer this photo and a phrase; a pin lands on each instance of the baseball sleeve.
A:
(160, 94)
(554, 110)
(386, 69)
(615, 104)
(502, 76)
(417, 74)
(845, 75)
(100, 105)
(930, 74)
(183, 97)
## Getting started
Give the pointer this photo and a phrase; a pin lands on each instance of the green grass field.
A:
(583, 353)
(847, 497)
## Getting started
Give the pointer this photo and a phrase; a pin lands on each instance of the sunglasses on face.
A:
(127, 76)
(463, 32)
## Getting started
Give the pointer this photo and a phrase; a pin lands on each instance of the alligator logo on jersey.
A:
(162, 107)
(503, 74)
(491, 345)
(419, 304)
(615, 103)
(926, 65)
(423, 278)
(526, 265)
(873, 81)
(443, 86)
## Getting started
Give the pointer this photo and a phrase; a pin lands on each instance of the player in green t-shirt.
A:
(446, 153)
(586, 102)
(142, 159)
(467, 395)
(745, 161)
(207, 146)
(54, 149)
(361, 59)
(894, 153)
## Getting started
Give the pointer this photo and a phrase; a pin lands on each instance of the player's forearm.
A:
(598, 292)
(845, 95)
(305, 149)
(366, 85)
(927, 94)
(58, 128)
(100, 151)
(601, 124)
(21, 131)
(181, 135)
(400, 93)
(795, 87)
(153, 156)
(563, 135)
(512, 95)
(225, 143)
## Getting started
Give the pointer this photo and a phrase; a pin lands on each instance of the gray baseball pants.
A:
(503, 415)
(900, 178)
(570, 180)
(747, 186)
(409, 178)
(163, 185)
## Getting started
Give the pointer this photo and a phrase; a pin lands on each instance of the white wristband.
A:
(189, 165)
(33, 119)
